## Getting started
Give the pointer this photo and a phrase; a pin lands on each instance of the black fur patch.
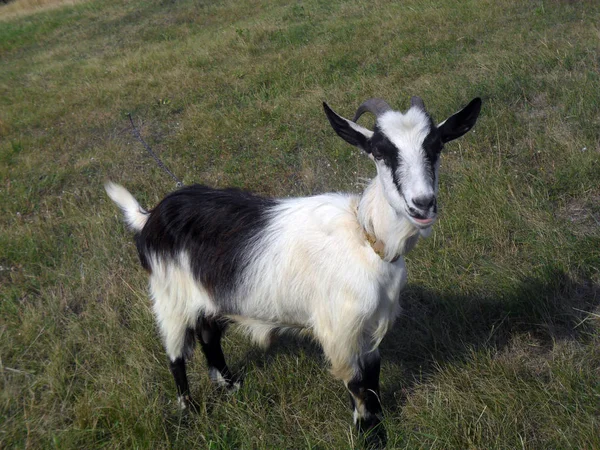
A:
(432, 145)
(209, 332)
(179, 374)
(344, 130)
(382, 148)
(365, 385)
(214, 227)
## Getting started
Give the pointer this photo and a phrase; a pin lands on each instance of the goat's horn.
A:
(376, 106)
(418, 102)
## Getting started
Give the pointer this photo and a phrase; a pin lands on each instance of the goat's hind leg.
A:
(209, 331)
(180, 343)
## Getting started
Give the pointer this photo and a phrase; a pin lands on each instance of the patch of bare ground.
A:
(10, 9)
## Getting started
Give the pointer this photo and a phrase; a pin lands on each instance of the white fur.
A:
(314, 269)
(135, 216)
(217, 378)
(178, 301)
(182, 403)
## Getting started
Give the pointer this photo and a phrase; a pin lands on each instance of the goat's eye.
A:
(376, 153)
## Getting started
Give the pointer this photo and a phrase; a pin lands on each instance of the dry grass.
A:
(17, 8)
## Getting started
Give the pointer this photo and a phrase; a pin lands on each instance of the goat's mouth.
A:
(421, 217)
(421, 221)
(424, 222)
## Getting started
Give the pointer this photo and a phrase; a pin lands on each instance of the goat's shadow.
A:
(436, 328)
(440, 328)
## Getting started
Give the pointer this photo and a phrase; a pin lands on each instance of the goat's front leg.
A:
(363, 387)
(353, 362)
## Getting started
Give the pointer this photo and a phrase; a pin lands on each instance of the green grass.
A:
(499, 346)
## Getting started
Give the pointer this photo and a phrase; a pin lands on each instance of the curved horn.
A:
(418, 102)
(376, 106)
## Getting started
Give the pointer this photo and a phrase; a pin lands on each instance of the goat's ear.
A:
(349, 131)
(461, 122)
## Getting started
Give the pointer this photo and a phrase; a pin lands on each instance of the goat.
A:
(329, 264)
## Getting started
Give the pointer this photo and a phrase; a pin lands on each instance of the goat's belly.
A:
(322, 308)
(271, 306)
(260, 317)
(301, 301)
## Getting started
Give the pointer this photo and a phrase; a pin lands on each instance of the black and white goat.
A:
(329, 264)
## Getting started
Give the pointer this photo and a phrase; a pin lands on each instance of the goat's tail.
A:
(135, 216)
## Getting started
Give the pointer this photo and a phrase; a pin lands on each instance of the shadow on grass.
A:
(437, 328)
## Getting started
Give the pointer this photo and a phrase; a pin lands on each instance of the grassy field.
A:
(499, 345)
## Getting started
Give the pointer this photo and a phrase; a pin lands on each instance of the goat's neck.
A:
(397, 234)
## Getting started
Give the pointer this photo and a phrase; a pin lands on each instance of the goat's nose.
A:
(424, 202)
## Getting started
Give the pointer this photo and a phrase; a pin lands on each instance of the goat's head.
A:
(406, 149)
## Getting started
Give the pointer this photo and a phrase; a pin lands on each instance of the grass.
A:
(499, 344)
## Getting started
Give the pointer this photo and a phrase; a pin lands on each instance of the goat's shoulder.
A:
(323, 228)
(325, 214)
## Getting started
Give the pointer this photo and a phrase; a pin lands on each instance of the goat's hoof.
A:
(372, 433)
(188, 404)
(229, 387)
(234, 386)
(226, 383)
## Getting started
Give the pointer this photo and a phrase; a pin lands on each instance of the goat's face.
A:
(406, 149)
